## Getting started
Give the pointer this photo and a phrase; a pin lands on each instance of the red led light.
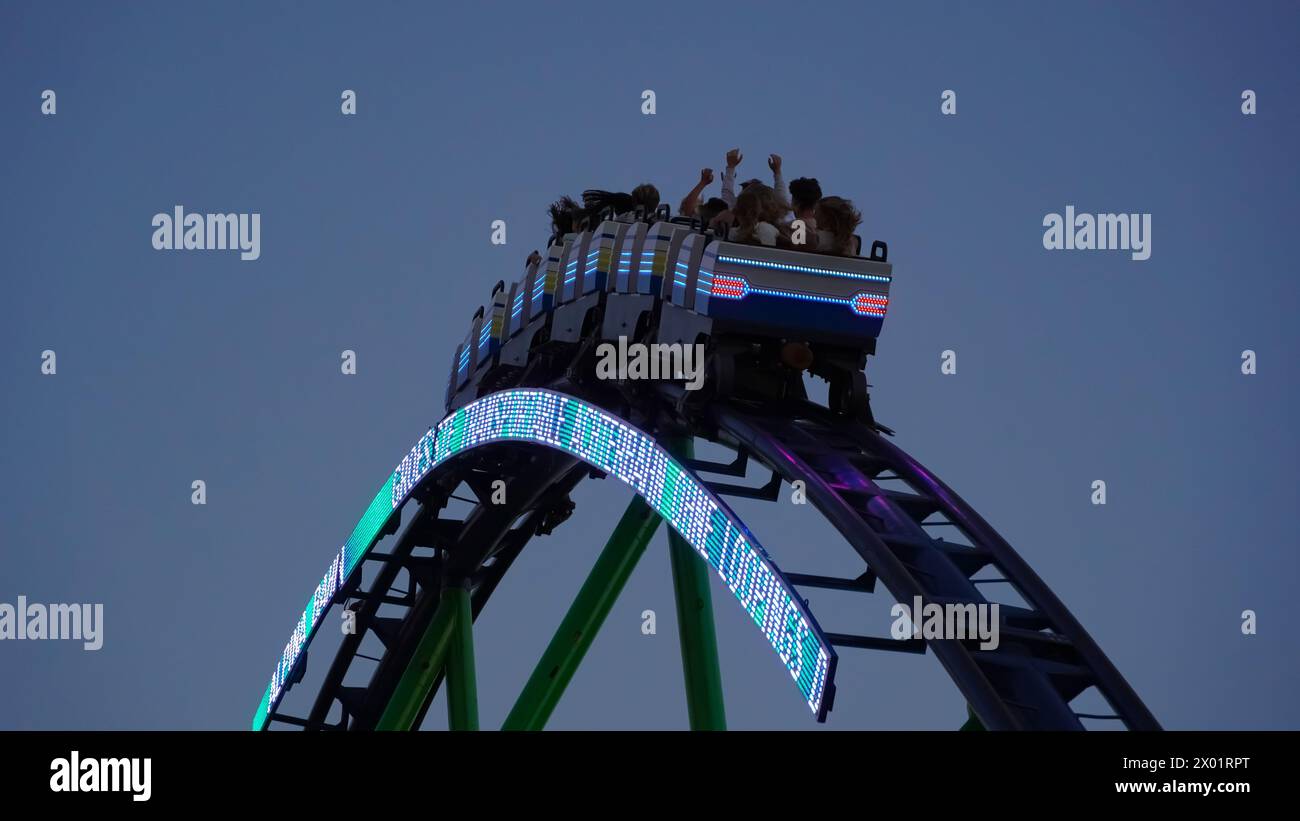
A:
(729, 287)
(870, 304)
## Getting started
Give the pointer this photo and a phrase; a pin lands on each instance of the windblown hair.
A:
(596, 202)
(757, 203)
(838, 216)
(563, 213)
(804, 193)
(645, 196)
(711, 209)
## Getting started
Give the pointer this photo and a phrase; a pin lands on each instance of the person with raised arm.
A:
(729, 177)
(734, 158)
(690, 204)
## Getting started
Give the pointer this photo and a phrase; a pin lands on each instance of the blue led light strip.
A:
(781, 266)
(704, 282)
(729, 281)
(614, 447)
(831, 300)
(611, 445)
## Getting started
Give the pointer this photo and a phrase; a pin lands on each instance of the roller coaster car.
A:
(765, 314)
(773, 292)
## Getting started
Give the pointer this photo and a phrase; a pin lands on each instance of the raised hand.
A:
(774, 163)
(734, 157)
(706, 176)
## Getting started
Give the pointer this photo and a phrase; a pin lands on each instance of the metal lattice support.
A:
(1044, 661)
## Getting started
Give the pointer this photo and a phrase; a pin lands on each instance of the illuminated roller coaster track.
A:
(543, 428)
(1044, 660)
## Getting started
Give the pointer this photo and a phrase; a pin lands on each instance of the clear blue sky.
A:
(375, 237)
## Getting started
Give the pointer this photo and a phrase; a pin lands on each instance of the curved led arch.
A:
(563, 422)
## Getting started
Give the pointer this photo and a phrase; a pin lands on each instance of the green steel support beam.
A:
(422, 673)
(704, 703)
(587, 613)
(462, 690)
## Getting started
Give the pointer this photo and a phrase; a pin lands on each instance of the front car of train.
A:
(764, 315)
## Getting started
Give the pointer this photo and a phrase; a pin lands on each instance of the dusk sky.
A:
(1073, 366)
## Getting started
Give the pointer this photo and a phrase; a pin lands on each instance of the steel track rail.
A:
(480, 547)
(1045, 658)
(489, 530)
